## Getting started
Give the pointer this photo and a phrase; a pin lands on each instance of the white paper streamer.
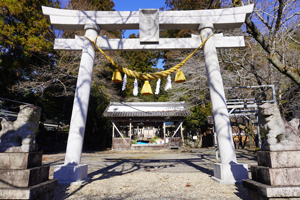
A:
(124, 82)
(157, 86)
(135, 88)
(168, 84)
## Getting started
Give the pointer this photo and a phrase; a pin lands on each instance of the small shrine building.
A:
(147, 125)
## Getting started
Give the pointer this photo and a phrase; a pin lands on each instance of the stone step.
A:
(278, 159)
(258, 190)
(20, 160)
(10, 178)
(40, 191)
(276, 176)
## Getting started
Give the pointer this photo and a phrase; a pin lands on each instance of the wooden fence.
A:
(120, 144)
(175, 143)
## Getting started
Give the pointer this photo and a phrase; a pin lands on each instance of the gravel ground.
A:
(150, 175)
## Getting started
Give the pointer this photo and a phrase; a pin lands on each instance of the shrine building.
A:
(147, 125)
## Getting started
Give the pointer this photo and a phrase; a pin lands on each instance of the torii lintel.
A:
(149, 22)
(123, 20)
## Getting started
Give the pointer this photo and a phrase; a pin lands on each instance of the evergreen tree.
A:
(24, 31)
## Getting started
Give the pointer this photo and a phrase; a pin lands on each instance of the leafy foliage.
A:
(24, 30)
(198, 120)
(100, 5)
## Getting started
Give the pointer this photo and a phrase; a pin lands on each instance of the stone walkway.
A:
(151, 175)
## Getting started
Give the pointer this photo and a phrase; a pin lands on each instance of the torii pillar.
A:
(73, 171)
(149, 21)
(228, 171)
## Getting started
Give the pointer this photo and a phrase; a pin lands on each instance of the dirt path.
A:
(151, 175)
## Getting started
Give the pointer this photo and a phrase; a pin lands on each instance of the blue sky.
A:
(130, 5)
(135, 5)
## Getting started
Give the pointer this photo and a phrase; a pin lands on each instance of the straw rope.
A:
(147, 76)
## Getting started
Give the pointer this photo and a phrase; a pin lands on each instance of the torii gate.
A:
(149, 22)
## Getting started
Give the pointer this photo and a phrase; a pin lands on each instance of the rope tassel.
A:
(124, 82)
(117, 78)
(168, 84)
(157, 86)
(146, 90)
(135, 88)
(179, 78)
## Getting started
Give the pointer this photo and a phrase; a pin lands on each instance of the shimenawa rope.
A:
(149, 76)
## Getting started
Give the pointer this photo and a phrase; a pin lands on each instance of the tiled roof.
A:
(147, 109)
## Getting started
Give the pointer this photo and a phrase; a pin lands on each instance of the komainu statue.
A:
(19, 136)
(279, 134)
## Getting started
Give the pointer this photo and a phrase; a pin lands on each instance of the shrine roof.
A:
(147, 109)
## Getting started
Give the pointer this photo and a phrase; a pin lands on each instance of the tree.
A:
(192, 4)
(195, 89)
(187, 5)
(198, 120)
(50, 83)
(275, 26)
(24, 32)
(99, 5)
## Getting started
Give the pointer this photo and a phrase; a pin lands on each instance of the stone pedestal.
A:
(230, 173)
(277, 176)
(23, 177)
(71, 174)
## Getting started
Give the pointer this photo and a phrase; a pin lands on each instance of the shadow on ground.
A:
(105, 168)
(119, 167)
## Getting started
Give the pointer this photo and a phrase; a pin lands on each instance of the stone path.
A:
(151, 175)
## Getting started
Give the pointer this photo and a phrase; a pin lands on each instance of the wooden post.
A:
(119, 132)
(143, 131)
(164, 129)
(113, 131)
(179, 126)
(113, 136)
(130, 131)
(182, 134)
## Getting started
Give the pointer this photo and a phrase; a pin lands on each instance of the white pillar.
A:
(217, 95)
(73, 171)
(228, 171)
(81, 98)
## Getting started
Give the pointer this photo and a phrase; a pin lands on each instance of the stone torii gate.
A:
(149, 22)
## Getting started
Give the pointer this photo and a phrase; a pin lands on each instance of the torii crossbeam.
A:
(149, 22)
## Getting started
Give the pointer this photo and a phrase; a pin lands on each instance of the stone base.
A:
(259, 191)
(10, 178)
(278, 159)
(71, 174)
(276, 176)
(20, 160)
(41, 191)
(23, 148)
(230, 173)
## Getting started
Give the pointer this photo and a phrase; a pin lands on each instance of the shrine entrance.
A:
(149, 22)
